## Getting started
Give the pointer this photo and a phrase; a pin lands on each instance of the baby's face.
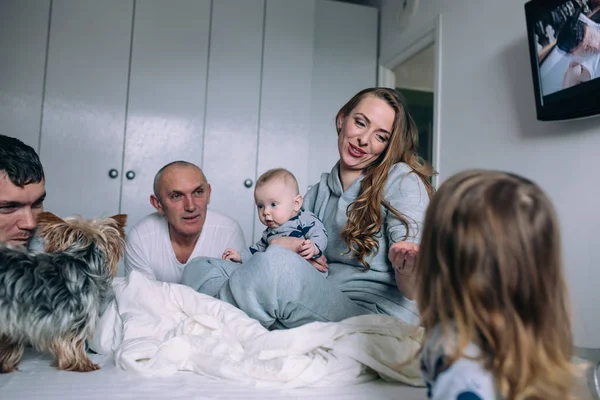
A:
(276, 202)
(576, 74)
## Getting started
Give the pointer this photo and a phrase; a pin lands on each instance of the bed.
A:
(37, 380)
(159, 340)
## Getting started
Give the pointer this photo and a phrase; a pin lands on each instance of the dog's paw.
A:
(90, 367)
(79, 366)
(4, 369)
(85, 367)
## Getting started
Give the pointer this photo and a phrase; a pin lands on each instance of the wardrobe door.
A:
(345, 62)
(165, 113)
(286, 90)
(84, 106)
(232, 107)
(23, 34)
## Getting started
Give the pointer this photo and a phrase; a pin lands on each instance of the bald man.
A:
(182, 227)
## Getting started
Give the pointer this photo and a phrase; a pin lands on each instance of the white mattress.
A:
(36, 379)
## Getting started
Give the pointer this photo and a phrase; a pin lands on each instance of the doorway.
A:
(415, 71)
(415, 79)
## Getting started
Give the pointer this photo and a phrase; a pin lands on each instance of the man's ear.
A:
(208, 192)
(156, 204)
(298, 203)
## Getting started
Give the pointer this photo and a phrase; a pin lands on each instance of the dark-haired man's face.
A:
(19, 207)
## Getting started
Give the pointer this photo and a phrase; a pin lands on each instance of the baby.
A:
(279, 206)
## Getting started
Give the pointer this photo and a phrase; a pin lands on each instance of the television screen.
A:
(564, 43)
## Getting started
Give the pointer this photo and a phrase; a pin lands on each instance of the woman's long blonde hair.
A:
(365, 218)
(490, 268)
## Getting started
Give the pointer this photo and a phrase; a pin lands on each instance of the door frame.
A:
(427, 34)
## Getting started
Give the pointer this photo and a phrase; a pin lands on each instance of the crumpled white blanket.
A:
(157, 329)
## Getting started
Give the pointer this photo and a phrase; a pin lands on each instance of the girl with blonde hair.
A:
(491, 292)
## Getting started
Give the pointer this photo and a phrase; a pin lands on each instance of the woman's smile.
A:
(355, 151)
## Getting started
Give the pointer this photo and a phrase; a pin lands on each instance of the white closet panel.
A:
(345, 61)
(23, 34)
(84, 107)
(167, 89)
(286, 90)
(232, 109)
(236, 86)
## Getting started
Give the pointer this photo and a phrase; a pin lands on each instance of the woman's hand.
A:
(307, 249)
(295, 245)
(403, 256)
(320, 263)
(290, 243)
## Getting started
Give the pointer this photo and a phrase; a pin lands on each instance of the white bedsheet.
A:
(150, 318)
(157, 329)
(37, 380)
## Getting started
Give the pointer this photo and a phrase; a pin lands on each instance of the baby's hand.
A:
(232, 255)
(307, 249)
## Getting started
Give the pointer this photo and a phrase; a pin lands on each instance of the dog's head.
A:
(108, 234)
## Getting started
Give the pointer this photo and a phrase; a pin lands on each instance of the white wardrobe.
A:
(108, 91)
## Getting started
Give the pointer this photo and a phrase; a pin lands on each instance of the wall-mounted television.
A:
(564, 48)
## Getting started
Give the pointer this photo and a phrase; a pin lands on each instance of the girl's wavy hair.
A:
(490, 273)
(365, 217)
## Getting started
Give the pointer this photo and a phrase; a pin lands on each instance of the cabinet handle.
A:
(130, 175)
(248, 183)
(113, 173)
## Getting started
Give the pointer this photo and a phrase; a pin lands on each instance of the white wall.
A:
(488, 120)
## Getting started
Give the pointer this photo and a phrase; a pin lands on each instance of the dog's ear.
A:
(47, 218)
(121, 220)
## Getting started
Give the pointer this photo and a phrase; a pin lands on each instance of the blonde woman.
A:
(491, 292)
(372, 204)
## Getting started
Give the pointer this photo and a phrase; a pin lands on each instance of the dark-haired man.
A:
(22, 191)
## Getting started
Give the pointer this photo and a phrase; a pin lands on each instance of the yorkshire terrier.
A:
(53, 299)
